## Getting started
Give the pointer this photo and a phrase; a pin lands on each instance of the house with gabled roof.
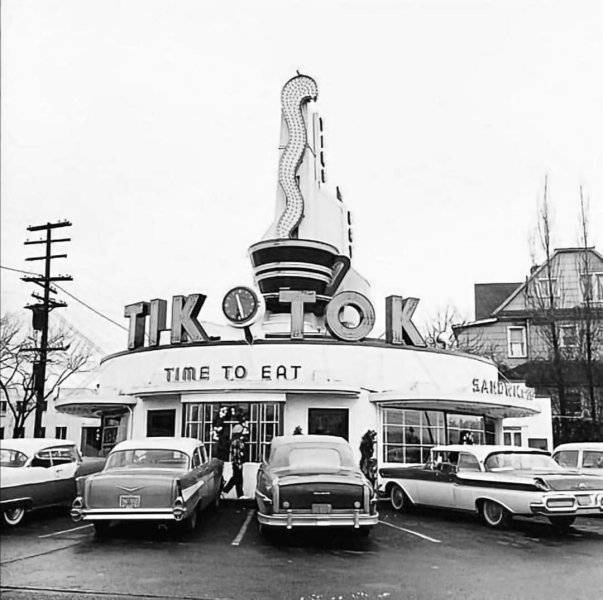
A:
(548, 331)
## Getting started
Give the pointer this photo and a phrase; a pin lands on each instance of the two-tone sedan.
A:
(38, 473)
(313, 481)
(498, 482)
(160, 479)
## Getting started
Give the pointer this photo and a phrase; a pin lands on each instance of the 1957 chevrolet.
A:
(497, 482)
(150, 479)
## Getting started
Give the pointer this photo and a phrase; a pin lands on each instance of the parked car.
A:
(38, 473)
(498, 482)
(150, 479)
(313, 480)
(587, 457)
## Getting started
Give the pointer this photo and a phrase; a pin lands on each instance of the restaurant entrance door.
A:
(329, 421)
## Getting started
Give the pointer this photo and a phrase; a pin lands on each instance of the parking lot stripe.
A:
(65, 531)
(421, 535)
(243, 529)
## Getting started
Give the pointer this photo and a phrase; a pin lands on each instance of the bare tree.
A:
(448, 329)
(18, 367)
(589, 333)
(544, 302)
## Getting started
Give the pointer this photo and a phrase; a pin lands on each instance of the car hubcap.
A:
(397, 498)
(13, 516)
(493, 512)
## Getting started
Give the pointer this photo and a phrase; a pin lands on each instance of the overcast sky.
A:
(153, 126)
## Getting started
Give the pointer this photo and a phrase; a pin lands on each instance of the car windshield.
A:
(12, 458)
(520, 461)
(312, 456)
(147, 459)
(592, 459)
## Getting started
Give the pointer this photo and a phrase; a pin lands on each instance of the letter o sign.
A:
(365, 309)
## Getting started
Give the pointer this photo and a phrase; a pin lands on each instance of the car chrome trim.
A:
(290, 519)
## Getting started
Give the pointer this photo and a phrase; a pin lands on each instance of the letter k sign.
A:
(399, 328)
(185, 326)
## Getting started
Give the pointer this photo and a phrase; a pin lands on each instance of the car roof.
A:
(281, 440)
(33, 445)
(482, 451)
(184, 444)
(580, 446)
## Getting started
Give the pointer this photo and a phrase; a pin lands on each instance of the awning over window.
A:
(83, 402)
(465, 404)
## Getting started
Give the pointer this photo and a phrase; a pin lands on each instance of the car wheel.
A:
(397, 496)
(562, 523)
(14, 516)
(494, 514)
(101, 529)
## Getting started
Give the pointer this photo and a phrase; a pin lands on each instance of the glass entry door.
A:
(328, 421)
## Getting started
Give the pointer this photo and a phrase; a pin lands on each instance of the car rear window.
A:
(312, 456)
(147, 459)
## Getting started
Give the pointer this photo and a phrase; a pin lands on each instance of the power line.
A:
(94, 310)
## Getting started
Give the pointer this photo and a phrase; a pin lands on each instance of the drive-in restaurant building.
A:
(296, 349)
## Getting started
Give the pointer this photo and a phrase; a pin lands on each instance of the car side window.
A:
(64, 455)
(196, 459)
(42, 459)
(203, 454)
(567, 458)
(468, 462)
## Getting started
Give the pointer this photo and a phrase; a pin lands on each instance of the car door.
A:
(65, 461)
(465, 492)
(436, 488)
(41, 481)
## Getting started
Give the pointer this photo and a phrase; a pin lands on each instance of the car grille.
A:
(338, 495)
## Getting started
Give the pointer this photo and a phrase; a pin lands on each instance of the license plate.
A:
(321, 509)
(583, 500)
(129, 501)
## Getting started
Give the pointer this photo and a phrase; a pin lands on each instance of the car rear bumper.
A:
(568, 506)
(120, 514)
(290, 519)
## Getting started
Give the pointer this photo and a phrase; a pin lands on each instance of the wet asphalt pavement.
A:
(426, 554)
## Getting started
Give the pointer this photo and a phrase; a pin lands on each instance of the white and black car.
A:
(498, 482)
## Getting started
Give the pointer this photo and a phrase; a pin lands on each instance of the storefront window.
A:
(465, 429)
(210, 420)
(408, 435)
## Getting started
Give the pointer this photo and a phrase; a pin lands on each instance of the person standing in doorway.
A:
(237, 460)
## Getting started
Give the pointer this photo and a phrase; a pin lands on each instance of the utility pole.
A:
(41, 310)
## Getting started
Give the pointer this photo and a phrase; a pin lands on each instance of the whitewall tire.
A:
(398, 498)
(13, 516)
(494, 514)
